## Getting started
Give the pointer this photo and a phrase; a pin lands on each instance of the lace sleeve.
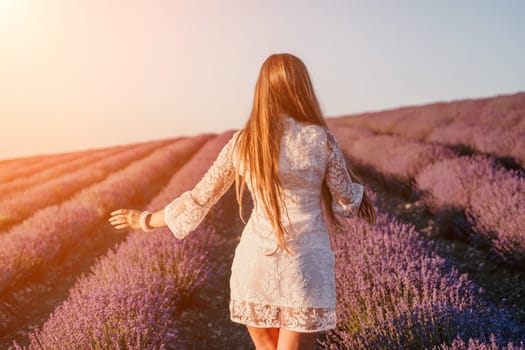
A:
(188, 210)
(347, 195)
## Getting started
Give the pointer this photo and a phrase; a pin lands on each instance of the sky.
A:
(83, 74)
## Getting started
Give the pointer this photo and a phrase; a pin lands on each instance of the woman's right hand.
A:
(124, 219)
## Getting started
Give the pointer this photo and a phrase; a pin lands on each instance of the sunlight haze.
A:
(83, 74)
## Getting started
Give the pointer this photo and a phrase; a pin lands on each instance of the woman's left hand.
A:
(123, 219)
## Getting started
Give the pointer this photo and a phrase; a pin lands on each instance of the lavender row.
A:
(132, 297)
(16, 208)
(23, 167)
(505, 111)
(394, 159)
(492, 198)
(395, 156)
(12, 163)
(486, 138)
(40, 239)
(493, 125)
(61, 168)
(395, 293)
(31, 168)
(39, 163)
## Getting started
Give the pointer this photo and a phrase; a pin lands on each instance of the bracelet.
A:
(143, 225)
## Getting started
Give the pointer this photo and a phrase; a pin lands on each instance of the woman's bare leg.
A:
(264, 338)
(290, 340)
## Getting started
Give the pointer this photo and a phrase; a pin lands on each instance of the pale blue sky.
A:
(80, 74)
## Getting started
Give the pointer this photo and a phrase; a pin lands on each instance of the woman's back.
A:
(302, 164)
(306, 158)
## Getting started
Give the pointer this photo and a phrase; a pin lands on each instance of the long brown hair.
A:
(283, 87)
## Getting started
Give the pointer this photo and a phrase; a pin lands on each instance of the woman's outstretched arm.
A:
(185, 212)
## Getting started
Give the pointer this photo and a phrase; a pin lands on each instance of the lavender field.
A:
(443, 269)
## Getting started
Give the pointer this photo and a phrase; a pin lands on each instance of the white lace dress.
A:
(295, 292)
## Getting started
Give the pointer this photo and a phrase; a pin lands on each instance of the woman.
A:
(282, 281)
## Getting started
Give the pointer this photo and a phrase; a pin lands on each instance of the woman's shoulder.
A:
(311, 128)
(315, 132)
(308, 134)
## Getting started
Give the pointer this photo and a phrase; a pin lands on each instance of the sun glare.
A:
(10, 13)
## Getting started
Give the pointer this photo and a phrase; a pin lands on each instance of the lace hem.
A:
(292, 318)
